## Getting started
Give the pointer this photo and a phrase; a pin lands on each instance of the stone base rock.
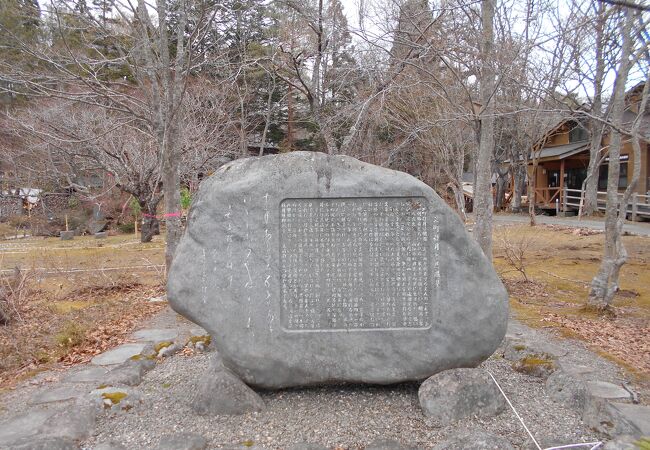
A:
(118, 355)
(71, 421)
(183, 441)
(221, 392)
(307, 446)
(388, 444)
(476, 440)
(615, 419)
(67, 235)
(56, 443)
(458, 393)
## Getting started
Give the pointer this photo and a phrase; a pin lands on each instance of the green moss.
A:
(248, 443)
(103, 386)
(519, 347)
(160, 345)
(166, 385)
(206, 339)
(114, 397)
(643, 443)
(535, 365)
(71, 335)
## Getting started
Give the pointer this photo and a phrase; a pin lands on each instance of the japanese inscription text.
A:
(355, 263)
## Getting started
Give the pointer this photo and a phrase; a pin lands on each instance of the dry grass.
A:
(560, 263)
(79, 305)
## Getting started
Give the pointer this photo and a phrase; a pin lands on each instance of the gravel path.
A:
(350, 417)
(637, 228)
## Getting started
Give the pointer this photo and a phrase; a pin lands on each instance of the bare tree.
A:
(153, 47)
(605, 284)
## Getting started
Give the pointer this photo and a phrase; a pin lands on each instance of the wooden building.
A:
(563, 159)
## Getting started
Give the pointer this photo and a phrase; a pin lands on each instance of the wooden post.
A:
(634, 206)
(561, 175)
(66, 223)
(135, 223)
(565, 200)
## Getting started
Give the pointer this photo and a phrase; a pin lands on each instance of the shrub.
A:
(14, 292)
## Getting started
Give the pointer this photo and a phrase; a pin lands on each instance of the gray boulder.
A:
(222, 392)
(307, 446)
(183, 441)
(475, 440)
(459, 393)
(388, 444)
(54, 443)
(309, 269)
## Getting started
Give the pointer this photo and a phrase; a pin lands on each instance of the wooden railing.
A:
(639, 205)
(547, 196)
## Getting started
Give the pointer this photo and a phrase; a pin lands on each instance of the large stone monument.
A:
(308, 268)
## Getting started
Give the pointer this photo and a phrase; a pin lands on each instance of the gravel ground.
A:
(350, 417)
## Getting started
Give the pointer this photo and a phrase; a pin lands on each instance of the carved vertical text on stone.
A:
(355, 263)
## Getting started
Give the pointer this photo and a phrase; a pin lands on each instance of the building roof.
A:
(563, 151)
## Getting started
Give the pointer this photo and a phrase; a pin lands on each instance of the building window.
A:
(577, 134)
(603, 173)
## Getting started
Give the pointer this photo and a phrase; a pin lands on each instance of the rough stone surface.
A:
(58, 394)
(183, 441)
(55, 443)
(101, 235)
(307, 446)
(622, 443)
(567, 388)
(220, 392)
(388, 444)
(607, 390)
(615, 419)
(308, 269)
(475, 440)
(111, 445)
(71, 422)
(90, 374)
(67, 235)
(459, 393)
(118, 355)
(156, 335)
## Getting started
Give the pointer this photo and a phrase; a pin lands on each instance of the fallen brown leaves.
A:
(38, 341)
(626, 339)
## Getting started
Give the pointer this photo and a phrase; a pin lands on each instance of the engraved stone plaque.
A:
(308, 268)
(354, 263)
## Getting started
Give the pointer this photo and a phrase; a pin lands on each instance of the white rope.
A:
(591, 445)
(515, 411)
(49, 271)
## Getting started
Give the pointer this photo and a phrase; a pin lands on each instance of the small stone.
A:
(221, 392)
(169, 350)
(52, 443)
(567, 389)
(157, 299)
(183, 441)
(614, 419)
(156, 335)
(625, 442)
(58, 394)
(101, 235)
(67, 235)
(458, 393)
(307, 446)
(607, 390)
(118, 355)
(387, 444)
(119, 398)
(90, 374)
(110, 445)
(476, 440)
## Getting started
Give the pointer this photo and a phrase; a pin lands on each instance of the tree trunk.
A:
(605, 284)
(519, 181)
(171, 188)
(150, 224)
(483, 203)
(591, 182)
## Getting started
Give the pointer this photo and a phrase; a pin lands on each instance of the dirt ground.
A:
(556, 265)
(77, 298)
(86, 295)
